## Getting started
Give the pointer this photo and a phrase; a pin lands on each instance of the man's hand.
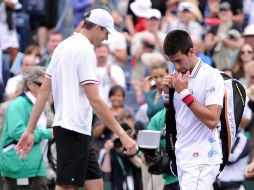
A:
(167, 83)
(129, 144)
(25, 144)
(249, 170)
(180, 81)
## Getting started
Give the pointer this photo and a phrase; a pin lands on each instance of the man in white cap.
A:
(71, 76)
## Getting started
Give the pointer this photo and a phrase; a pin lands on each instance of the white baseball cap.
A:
(185, 6)
(153, 13)
(102, 18)
(249, 30)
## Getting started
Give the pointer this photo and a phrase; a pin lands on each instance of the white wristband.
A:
(184, 93)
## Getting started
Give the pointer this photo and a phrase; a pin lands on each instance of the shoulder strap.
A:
(171, 127)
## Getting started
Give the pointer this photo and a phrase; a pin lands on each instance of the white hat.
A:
(140, 7)
(17, 4)
(185, 6)
(153, 13)
(102, 18)
(249, 30)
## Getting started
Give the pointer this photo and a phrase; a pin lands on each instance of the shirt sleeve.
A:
(48, 73)
(214, 89)
(86, 68)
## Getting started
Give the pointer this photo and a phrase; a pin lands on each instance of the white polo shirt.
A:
(196, 143)
(72, 65)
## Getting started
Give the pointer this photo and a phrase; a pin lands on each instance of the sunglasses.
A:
(245, 52)
(37, 83)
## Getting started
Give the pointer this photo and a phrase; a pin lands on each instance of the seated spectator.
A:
(210, 9)
(12, 83)
(184, 21)
(54, 39)
(116, 96)
(248, 81)
(121, 171)
(154, 97)
(150, 40)
(248, 35)
(224, 40)
(108, 74)
(135, 19)
(246, 54)
(29, 173)
(30, 50)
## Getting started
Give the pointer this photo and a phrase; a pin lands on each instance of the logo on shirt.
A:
(212, 89)
(195, 154)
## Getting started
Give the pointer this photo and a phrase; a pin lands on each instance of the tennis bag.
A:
(231, 114)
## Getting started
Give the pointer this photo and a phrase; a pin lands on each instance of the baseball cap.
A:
(102, 18)
(185, 6)
(249, 30)
(225, 6)
(153, 13)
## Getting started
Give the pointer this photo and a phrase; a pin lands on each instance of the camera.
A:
(158, 160)
(117, 142)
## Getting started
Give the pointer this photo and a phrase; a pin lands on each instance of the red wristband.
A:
(189, 99)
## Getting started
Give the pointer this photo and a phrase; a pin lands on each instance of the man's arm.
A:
(208, 115)
(27, 139)
(107, 118)
(39, 105)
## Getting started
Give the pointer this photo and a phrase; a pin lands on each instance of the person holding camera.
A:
(198, 91)
(120, 171)
(224, 40)
(157, 123)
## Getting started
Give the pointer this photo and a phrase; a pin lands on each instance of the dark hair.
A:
(88, 25)
(116, 88)
(33, 48)
(177, 40)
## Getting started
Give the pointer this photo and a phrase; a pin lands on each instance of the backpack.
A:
(231, 114)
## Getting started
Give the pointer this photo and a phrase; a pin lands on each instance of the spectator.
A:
(124, 171)
(248, 35)
(78, 9)
(184, 21)
(135, 19)
(12, 83)
(224, 40)
(247, 10)
(150, 40)
(54, 39)
(198, 44)
(8, 33)
(30, 50)
(246, 54)
(108, 73)
(31, 172)
(154, 97)
(210, 9)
